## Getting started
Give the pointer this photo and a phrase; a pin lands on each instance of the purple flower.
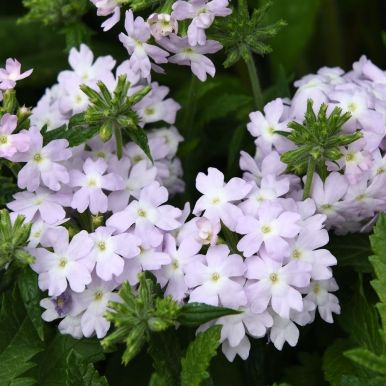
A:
(43, 163)
(138, 33)
(109, 250)
(148, 215)
(283, 330)
(203, 13)
(218, 198)
(275, 285)
(11, 73)
(67, 262)
(271, 227)
(186, 55)
(214, 278)
(47, 204)
(162, 24)
(91, 183)
(10, 144)
(108, 7)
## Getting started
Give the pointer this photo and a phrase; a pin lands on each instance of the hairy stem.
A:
(310, 175)
(118, 141)
(254, 79)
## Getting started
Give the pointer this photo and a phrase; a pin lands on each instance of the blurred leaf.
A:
(355, 381)
(198, 356)
(300, 16)
(18, 341)
(31, 295)
(367, 359)
(81, 373)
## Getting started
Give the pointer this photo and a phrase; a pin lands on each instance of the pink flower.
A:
(67, 262)
(271, 227)
(148, 215)
(43, 163)
(215, 278)
(91, 183)
(11, 74)
(10, 144)
(218, 198)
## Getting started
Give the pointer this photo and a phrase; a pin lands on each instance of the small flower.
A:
(11, 73)
(218, 198)
(138, 33)
(110, 250)
(91, 183)
(67, 262)
(186, 55)
(10, 144)
(213, 278)
(283, 330)
(43, 163)
(162, 24)
(148, 215)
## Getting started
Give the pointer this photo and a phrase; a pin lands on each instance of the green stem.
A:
(118, 141)
(254, 79)
(190, 108)
(310, 175)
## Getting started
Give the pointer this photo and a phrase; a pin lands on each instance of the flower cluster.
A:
(352, 193)
(156, 41)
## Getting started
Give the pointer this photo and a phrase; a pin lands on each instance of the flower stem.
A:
(255, 83)
(118, 141)
(310, 175)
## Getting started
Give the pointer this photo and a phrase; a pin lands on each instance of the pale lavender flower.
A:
(41, 204)
(106, 8)
(271, 227)
(276, 285)
(95, 301)
(92, 182)
(110, 250)
(138, 33)
(11, 73)
(283, 330)
(203, 14)
(172, 276)
(214, 278)
(44, 234)
(148, 216)
(186, 55)
(154, 107)
(67, 262)
(10, 144)
(43, 163)
(218, 198)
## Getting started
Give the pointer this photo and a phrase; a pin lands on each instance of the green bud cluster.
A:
(242, 32)
(318, 140)
(13, 239)
(113, 113)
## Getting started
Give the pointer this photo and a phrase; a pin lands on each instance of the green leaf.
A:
(81, 373)
(195, 314)
(349, 380)
(352, 251)
(18, 341)
(138, 136)
(31, 295)
(164, 348)
(157, 380)
(367, 359)
(335, 365)
(198, 356)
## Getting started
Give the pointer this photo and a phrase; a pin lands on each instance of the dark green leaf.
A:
(196, 362)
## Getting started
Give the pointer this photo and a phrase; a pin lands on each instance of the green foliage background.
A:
(350, 352)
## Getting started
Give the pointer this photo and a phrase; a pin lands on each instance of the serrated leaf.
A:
(196, 362)
(367, 359)
(138, 136)
(81, 373)
(19, 342)
(349, 380)
(31, 295)
(195, 314)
